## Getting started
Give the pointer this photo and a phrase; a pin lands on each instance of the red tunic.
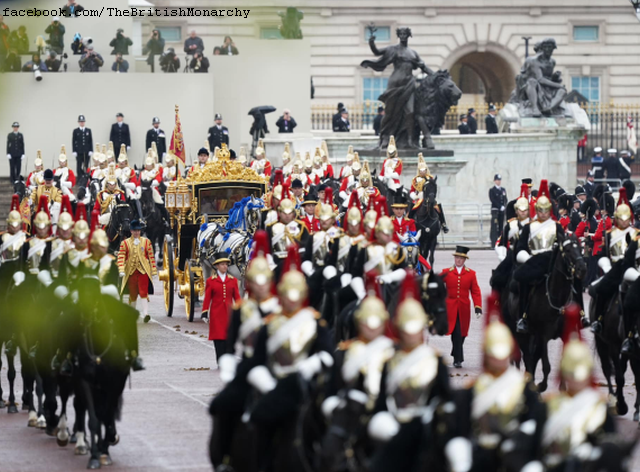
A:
(401, 226)
(219, 298)
(328, 172)
(397, 169)
(312, 225)
(564, 221)
(459, 287)
(599, 235)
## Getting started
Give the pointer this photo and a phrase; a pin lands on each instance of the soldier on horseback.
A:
(351, 179)
(535, 251)
(419, 183)
(40, 243)
(346, 169)
(365, 189)
(108, 198)
(12, 243)
(392, 166)
(125, 174)
(286, 232)
(80, 249)
(287, 166)
(36, 176)
(63, 241)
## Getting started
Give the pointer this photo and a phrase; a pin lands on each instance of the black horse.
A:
(427, 219)
(547, 301)
(154, 217)
(118, 228)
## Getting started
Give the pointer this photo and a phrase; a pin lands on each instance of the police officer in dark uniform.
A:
(120, 133)
(82, 146)
(472, 122)
(589, 186)
(612, 166)
(15, 151)
(597, 163)
(498, 197)
(490, 121)
(342, 125)
(463, 127)
(218, 134)
(156, 135)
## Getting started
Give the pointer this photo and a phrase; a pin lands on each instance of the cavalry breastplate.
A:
(367, 361)
(321, 242)
(37, 247)
(290, 340)
(383, 258)
(100, 268)
(410, 377)
(514, 232)
(58, 248)
(75, 256)
(418, 183)
(283, 237)
(344, 247)
(618, 242)
(542, 236)
(14, 246)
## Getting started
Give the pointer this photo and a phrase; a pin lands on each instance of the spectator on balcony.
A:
(170, 62)
(463, 127)
(56, 35)
(199, 63)
(78, 45)
(120, 64)
(120, 43)
(377, 121)
(72, 9)
(286, 123)
(19, 40)
(35, 63)
(342, 125)
(217, 51)
(52, 62)
(193, 44)
(228, 47)
(336, 117)
(490, 121)
(154, 47)
(91, 61)
(471, 121)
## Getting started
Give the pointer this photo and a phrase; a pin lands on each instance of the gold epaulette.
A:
(272, 223)
(344, 345)
(511, 219)
(230, 276)
(467, 269)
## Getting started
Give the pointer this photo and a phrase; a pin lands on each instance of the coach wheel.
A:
(167, 277)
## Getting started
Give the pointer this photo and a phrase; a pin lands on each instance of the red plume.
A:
(66, 205)
(15, 202)
(571, 323)
(544, 189)
(409, 289)
(292, 262)
(278, 178)
(81, 212)
(493, 310)
(371, 205)
(381, 206)
(95, 216)
(524, 191)
(353, 203)
(260, 244)
(371, 284)
(43, 205)
(285, 192)
(328, 196)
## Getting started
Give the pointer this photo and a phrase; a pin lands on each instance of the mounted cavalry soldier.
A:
(272, 199)
(287, 166)
(108, 198)
(40, 244)
(416, 193)
(170, 170)
(392, 166)
(65, 175)
(346, 171)
(152, 174)
(499, 417)
(81, 233)
(287, 232)
(535, 251)
(63, 241)
(261, 164)
(516, 221)
(350, 182)
(12, 243)
(613, 265)
(247, 319)
(36, 177)
(401, 224)
(365, 188)
(326, 165)
(320, 243)
(46, 189)
(99, 264)
(125, 174)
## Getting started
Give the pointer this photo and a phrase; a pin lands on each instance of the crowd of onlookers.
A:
(48, 54)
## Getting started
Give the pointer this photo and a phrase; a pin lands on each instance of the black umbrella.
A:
(263, 110)
(259, 126)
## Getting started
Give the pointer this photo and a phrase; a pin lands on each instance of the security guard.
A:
(120, 133)
(218, 134)
(498, 197)
(490, 121)
(82, 148)
(156, 135)
(15, 151)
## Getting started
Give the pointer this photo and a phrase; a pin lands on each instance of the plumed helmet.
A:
(286, 154)
(15, 218)
(286, 206)
(42, 219)
(99, 238)
(498, 341)
(372, 311)
(258, 271)
(63, 154)
(577, 359)
(326, 212)
(384, 225)
(392, 150)
(544, 200)
(410, 317)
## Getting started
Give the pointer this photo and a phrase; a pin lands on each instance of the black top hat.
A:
(492, 107)
(580, 190)
(15, 124)
(218, 116)
(310, 199)
(232, 154)
(155, 120)
(48, 174)
(322, 187)
(463, 116)
(221, 257)
(81, 118)
(119, 115)
(203, 151)
(137, 225)
(399, 202)
(471, 110)
(527, 181)
(297, 183)
(497, 177)
(462, 251)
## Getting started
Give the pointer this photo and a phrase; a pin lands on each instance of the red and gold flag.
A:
(177, 143)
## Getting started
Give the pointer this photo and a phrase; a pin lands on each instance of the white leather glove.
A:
(631, 275)
(18, 278)
(329, 406)
(261, 379)
(307, 268)
(523, 256)
(22, 157)
(65, 189)
(9, 156)
(501, 251)
(75, 154)
(344, 195)
(383, 426)
(128, 147)
(397, 275)
(130, 185)
(357, 285)
(329, 272)
(61, 292)
(458, 453)
(110, 290)
(104, 219)
(312, 365)
(154, 183)
(44, 276)
(90, 153)
(605, 264)
(227, 364)
(121, 274)
(345, 279)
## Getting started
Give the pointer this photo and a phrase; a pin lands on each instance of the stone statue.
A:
(290, 28)
(399, 97)
(435, 94)
(539, 90)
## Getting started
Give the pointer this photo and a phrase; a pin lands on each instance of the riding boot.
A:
(601, 306)
(522, 326)
(136, 362)
(584, 319)
(443, 221)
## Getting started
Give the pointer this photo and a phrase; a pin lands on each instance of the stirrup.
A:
(522, 326)
(596, 327)
(585, 321)
(627, 346)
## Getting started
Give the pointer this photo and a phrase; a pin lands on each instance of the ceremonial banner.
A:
(632, 140)
(177, 143)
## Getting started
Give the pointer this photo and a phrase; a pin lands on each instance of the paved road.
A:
(165, 424)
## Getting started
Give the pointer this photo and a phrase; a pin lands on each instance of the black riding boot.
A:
(577, 286)
(443, 221)
(522, 326)
(601, 306)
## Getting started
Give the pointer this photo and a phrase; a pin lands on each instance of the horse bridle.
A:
(570, 277)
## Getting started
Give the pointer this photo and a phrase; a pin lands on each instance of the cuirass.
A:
(383, 258)
(514, 232)
(618, 242)
(542, 240)
(344, 246)
(36, 257)
(371, 367)
(418, 183)
(413, 386)
(250, 324)
(58, 248)
(295, 347)
(320, 248)
(12, 253)
(100, 268)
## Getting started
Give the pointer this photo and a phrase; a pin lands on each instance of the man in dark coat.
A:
(377, 121)
(463, 127)
(597, 163)
(218, 134)
(120, 43)
(120, 134)
(286, 122)
(56, 35)
(498, 197)
(193, 44)
(336, 116)
(624, 168)
(472, 122)
(612, 166)
(15, 151)
(589, 185)
(342, 125)
(490, 121)
(72, 9)
(156, 135)
(82, 146)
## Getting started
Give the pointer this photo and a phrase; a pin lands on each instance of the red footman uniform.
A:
(220, 293)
